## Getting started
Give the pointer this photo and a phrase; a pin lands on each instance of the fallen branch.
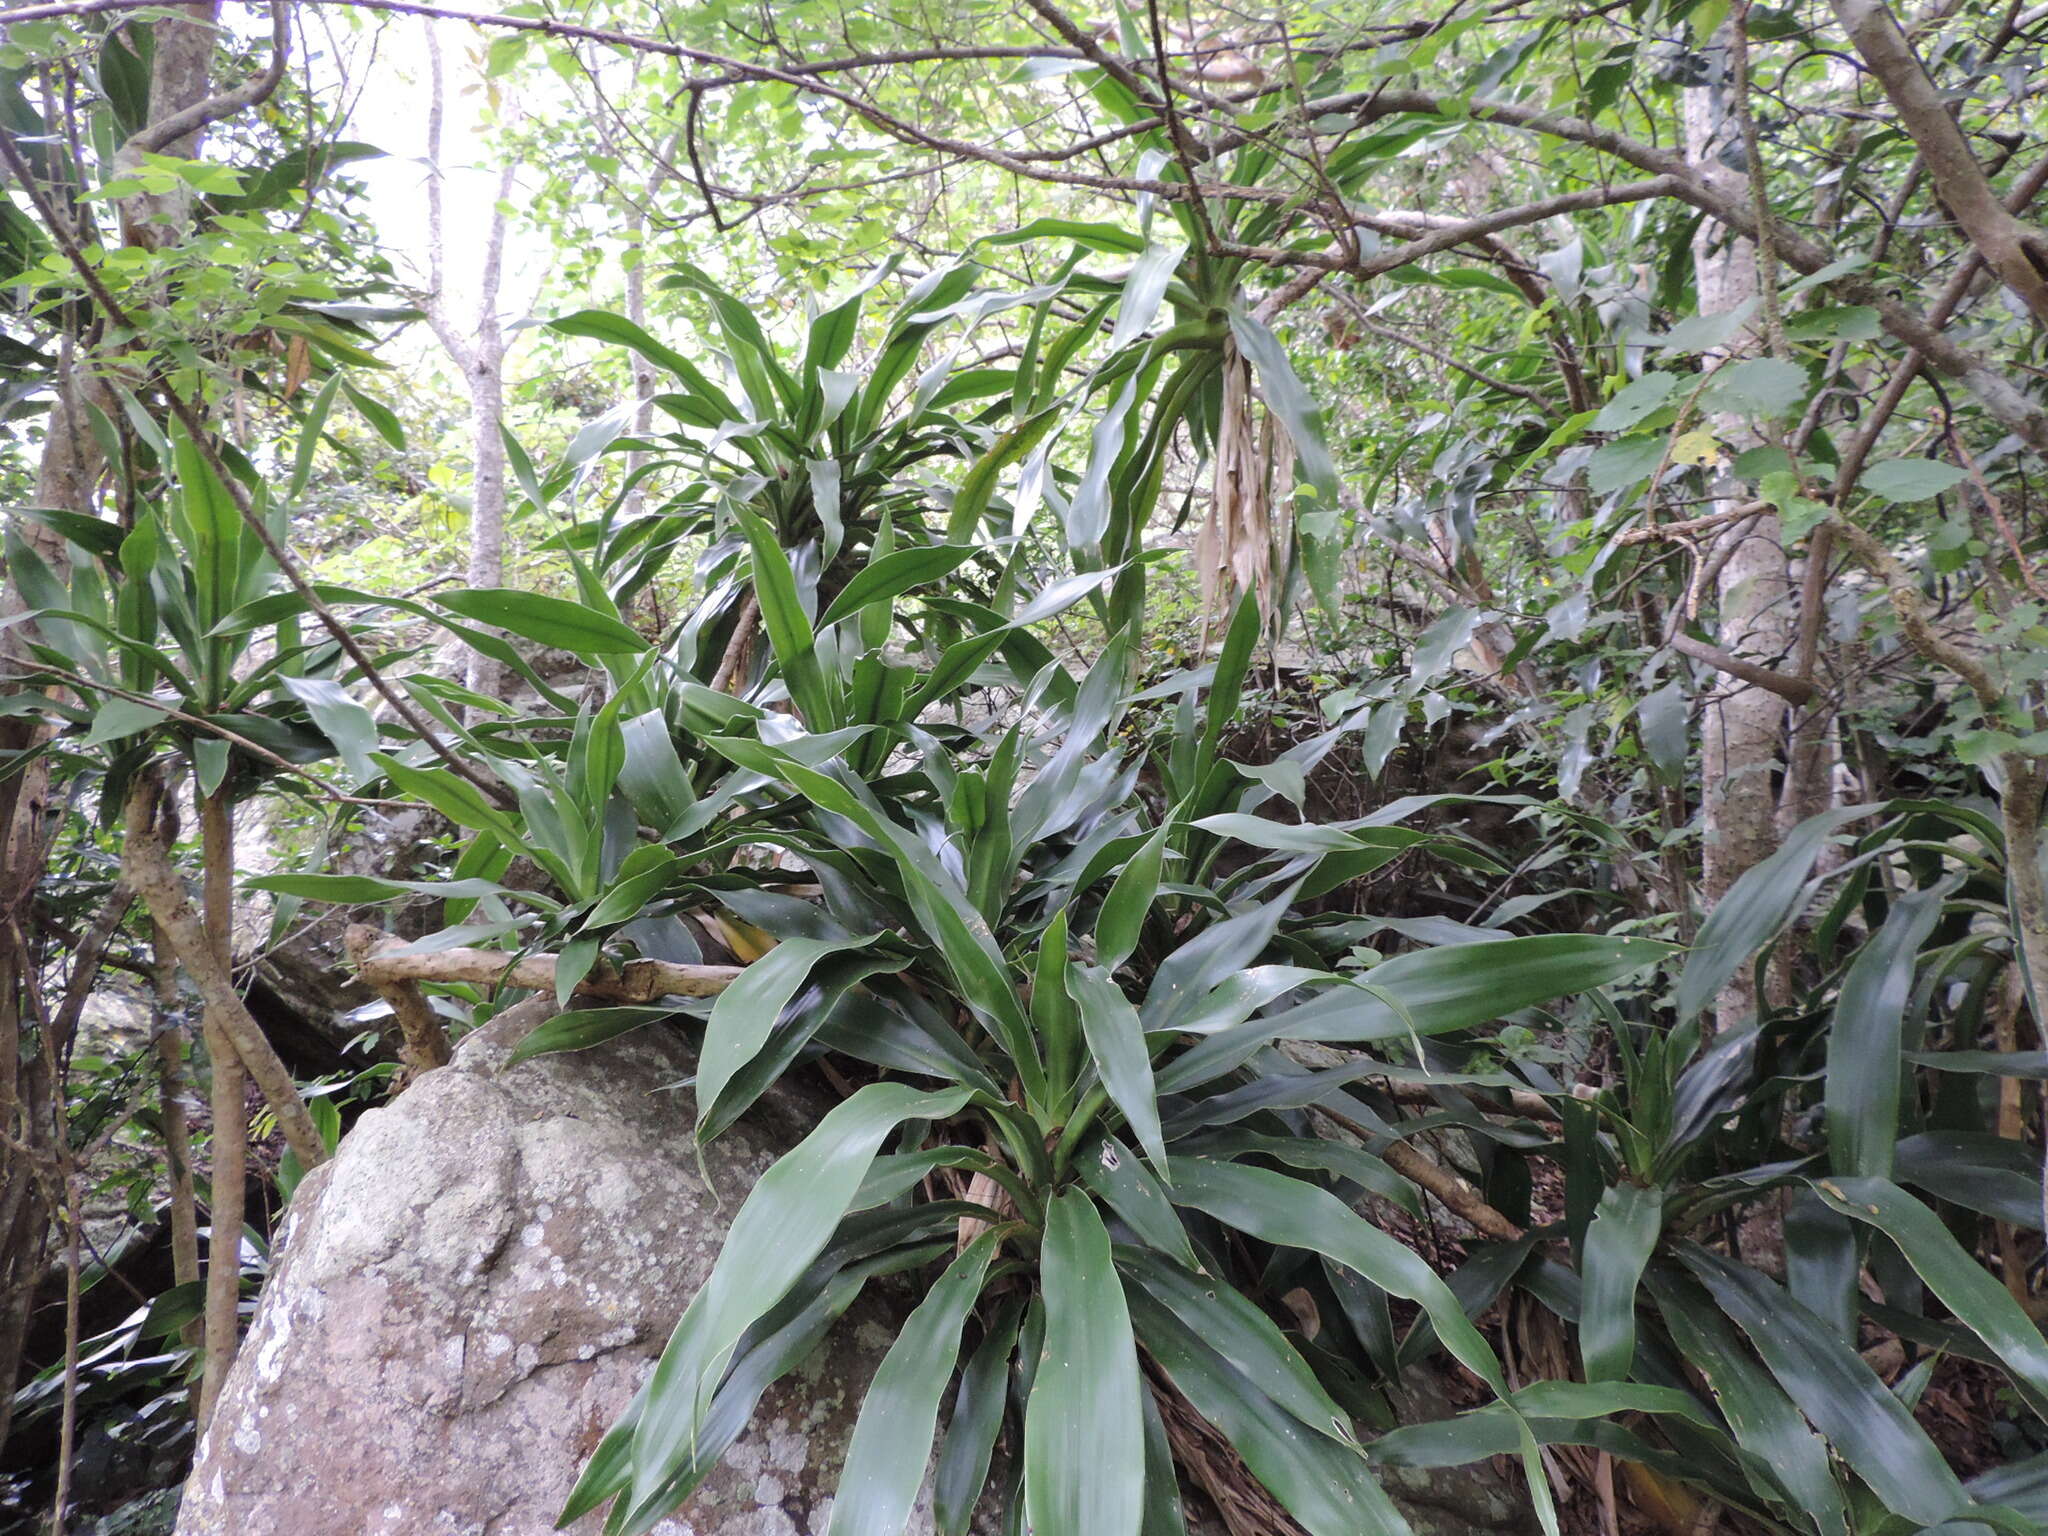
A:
(384, 961)
(423, 1042)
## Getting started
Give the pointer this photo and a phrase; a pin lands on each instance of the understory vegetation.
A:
(1364, 686)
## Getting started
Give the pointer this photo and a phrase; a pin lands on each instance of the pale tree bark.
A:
(1742, 729)
(225, 1185)
(644, 373)
(479, 354)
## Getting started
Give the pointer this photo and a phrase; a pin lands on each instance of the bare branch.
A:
(384, 963)
(2017, 252)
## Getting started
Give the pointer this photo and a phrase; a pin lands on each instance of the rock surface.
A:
(471, 1291)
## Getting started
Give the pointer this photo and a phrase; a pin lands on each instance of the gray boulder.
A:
(473, 1288)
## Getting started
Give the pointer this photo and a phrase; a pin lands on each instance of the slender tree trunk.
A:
(229, 1099)
(172, 1041)
(479, 354)
(1742, 731)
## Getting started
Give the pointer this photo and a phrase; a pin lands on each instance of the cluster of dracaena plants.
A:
(1067, 965)
(1863, 1105)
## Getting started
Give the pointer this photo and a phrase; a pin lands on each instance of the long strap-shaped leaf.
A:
(746, 1013)
(1790, 1460)
(1116, 1039)
(1869, 1427)
(892, 1439)
(1755, 908)
(775, 1346)
(1325, 1485)
(1978, 1302)
(1289, 1213)
(1866, 1039)
(1430, 992)
(1223, 1318)
(1084, 1428)
(1618, 1245)
(962, 1472)
(784, 1224)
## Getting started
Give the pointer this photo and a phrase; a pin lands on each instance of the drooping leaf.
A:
(1618, 1244)
(784, 1223)
(1323, 1484)
(1116, 1040)
(892, 1438)
(1756, 908)
(1084, 1431)
(1868, 1426)
(1863, 1065)
(547, 620)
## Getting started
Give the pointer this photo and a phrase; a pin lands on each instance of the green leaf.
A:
(641, 877)
(785, 1222)
(1762, 386)
(1641, 398)
(1623, 463)
(1910, 479)
(1869, 1427)
(894, 574)
(1977, 1301)
(1291, 1214)
(892, 1438)
(1116, 1040)
(581, 1028)
(1703, 333)
(1834, 322)
(1228, 1323)
(547, 620)
(1122, 918)
(978, 485)
(746, 1013)
(1108, 239)
(1618, 1243)
(1756, 909)
(782, 615)
(379, 415)
(1316, 1153)
(601, 325)
(1793, 1460)
(1084, 1429)
(1864, 1069)
(346, 723)
(970, 1442)
(355, 889)
(117, 719)
(1324, 1484)
(1139, 1200)
(1428, 992)
(1143, 290)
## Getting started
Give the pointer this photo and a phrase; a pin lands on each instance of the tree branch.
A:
(254, 91)
(381, 962)
(2014, 250)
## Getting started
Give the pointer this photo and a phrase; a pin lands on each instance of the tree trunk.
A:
(230, 1116)
(1743, 725)
(480, 355)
